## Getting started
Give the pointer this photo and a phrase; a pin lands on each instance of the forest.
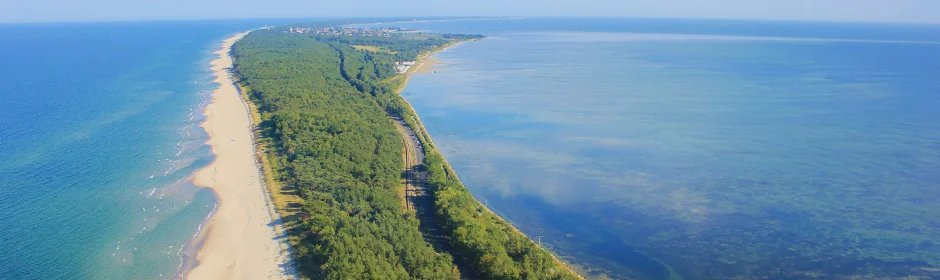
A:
(325, 109)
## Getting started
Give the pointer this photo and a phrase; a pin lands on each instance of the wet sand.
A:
(240, 240)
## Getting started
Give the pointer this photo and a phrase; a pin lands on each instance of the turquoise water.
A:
(701, 149)
(99, 135)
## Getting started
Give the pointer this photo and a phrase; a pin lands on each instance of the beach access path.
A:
(243, 239)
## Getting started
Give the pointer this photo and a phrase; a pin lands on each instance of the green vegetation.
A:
(372, 48)
(330, 140)
(323, 104)
(404, 47)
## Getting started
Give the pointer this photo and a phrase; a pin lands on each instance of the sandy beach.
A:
(241, 239)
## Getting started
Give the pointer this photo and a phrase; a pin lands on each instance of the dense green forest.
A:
(324, 107)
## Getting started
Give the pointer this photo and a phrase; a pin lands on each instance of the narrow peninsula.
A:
(363, 191)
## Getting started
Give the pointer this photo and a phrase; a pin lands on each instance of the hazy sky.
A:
(113, 10)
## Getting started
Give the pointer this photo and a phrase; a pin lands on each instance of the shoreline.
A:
(242, 239)
(424, 61)
(425, 137)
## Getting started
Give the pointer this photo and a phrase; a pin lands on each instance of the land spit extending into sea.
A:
(240, 241)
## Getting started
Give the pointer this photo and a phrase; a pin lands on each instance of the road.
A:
(416, 190)
(420, 199)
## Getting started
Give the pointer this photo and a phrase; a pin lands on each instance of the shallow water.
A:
(700, 149)
(100, 132)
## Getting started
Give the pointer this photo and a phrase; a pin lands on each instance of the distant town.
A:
(336, 31)
(385, 32)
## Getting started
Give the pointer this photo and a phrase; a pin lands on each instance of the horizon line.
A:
(462, 17)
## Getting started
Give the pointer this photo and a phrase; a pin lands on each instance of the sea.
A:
(99, 134)
(699, 149)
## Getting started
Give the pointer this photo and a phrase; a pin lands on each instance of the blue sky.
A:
(122, 10)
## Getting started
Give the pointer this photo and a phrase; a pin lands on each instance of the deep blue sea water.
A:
(99, 132)
(701, 149)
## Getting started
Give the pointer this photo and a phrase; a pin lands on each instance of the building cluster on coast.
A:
(336, 31)
(402, 67)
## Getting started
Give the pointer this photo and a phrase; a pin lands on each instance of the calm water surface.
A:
(700, 149)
